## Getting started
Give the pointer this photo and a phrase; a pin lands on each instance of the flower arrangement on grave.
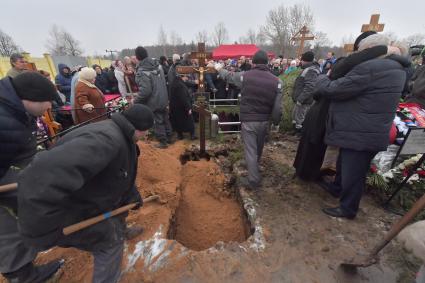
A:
(385, 183)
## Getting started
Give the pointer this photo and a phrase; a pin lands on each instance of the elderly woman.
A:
(89, 102)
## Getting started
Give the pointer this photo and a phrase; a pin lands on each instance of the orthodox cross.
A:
(201, 55)
(373, 25)
(302, 36)
(201, 104)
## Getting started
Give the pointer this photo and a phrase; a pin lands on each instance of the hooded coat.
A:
(63, 81)
(88, 172)
(152, 85)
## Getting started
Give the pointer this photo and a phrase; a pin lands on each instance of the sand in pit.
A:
(206, 214)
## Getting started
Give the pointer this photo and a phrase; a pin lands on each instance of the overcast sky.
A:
(127, 23)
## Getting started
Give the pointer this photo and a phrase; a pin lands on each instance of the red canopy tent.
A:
(235, 51)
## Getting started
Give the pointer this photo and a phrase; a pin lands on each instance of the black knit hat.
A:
(141, 53)
(260, 57)
(361, 37)
(33, 86)
(307, 56)
(140, 116)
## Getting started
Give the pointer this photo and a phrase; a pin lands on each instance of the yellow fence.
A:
(46, 63)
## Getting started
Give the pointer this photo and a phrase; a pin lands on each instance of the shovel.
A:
(8, 187)
(372, 257)
(94, 220)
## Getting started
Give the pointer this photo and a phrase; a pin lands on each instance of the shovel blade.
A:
(360, 261)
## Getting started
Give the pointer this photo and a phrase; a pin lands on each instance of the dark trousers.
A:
(14, 253)
(352, 167)
(162, 126)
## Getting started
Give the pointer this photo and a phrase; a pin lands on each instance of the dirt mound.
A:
(206, 214)
(194, 207)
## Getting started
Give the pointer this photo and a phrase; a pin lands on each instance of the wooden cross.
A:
(201, 55)
(373, 25)
(302, 35)
(201, 104)
(201, 108)
(349, 47)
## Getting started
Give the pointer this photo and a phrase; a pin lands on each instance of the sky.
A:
(106, 24)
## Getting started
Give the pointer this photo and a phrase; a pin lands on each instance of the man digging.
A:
(88, 172)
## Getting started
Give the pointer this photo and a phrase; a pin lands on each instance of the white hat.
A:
(87, 74)
(176, 57)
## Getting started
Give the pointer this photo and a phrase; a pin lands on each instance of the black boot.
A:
(180, 136)
(34, 274)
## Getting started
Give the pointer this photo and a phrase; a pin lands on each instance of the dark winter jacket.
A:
(304, 85)
(112, 81)
(171, 74)
(63, 81)
(418, 87)
(152, 85)
(180, 104)
(102, 82)
(17, 129)
(363, 103)
(261, 93)
(89, 171)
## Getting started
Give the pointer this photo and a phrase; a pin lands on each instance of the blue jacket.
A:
(63, 81)
(363, 103)
(17, 129)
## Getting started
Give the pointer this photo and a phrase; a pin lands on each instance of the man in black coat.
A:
(88, 172)
(362, 108)
(261, 101)
(304, 88)
(22, 99)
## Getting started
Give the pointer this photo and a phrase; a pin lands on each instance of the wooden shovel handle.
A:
(8, 187)
(94, 220)
(417, 207)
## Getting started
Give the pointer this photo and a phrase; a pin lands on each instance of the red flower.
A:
(373, 169)
(421, 173)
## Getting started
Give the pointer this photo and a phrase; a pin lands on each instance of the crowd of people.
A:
(346, 103)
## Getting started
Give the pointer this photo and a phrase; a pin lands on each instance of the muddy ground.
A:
(204, 230)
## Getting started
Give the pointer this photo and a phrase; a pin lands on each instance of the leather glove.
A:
(88, 108)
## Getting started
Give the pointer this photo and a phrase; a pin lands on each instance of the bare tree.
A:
(220, 34)
(162, 40)
(202, 36)
(284, 22)
(175, 39)
(7, 45)
(391, 35)
(349, 39)
(321, 39)
(415, 39)
(61, 42)
(249, 38)
(276, 28)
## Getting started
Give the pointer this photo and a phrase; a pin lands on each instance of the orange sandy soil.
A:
(293, 241)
